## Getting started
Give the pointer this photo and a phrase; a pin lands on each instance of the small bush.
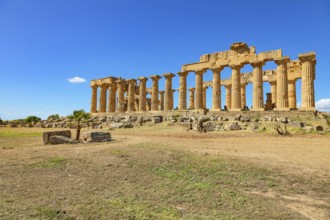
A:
(31, 119)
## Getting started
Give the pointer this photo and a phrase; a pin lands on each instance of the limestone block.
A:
(156, 120)
(319, 128)
(89, 137)
(46, 135)
(117, 125)
(208, 126)
(235, 126)
(57, 139)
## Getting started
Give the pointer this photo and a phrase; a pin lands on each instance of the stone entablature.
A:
(121, 95)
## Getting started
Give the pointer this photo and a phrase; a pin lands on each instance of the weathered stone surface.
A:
(186, 125)
(57, 139)
(89, 137)
(47, 135)
(208, 126)
(234, 126)
(117, 125)
(156, 120)
(245, 118)
(283, 119)
(298, 124)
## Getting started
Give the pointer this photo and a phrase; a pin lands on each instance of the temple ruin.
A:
(130, 95)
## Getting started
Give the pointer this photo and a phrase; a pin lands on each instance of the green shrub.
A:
(53, 117)
(31, 119)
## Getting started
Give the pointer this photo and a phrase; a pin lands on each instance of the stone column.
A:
(308, 62)
(216, 90)
(282, 102)
(131, 95)
(171, 103)
(204, 96)
(191, 98)
(243, 94)
(258, 90)
(199, 89)
(236, 88)
(112, 97)
(103, 98)
(154, 92)
(142, 94)
(94, 99)
(228, 96)
(168, 91)
(292, 94)
(273, 90)
(121, 95)
(161, 100)
(183, 90)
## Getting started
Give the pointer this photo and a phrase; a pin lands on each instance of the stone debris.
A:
(47, 135)
(57, 139)
(89, 137)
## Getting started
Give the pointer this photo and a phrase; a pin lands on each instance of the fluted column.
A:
(243, 94)
(282, 102)
(121, 95)
(103, 98)
(292, 94)
(204, 96)
(236, 88)
(142, 94)
(154, 92)
(168, 91)
(216, 90)
(273, 90)
(308, 62)
(258, 90)
(94, 99)
(112, 97)
(183, 90)
(199, 89)
(191, 98)
(161, 100)
(171, 101)
(131, 95)
(228, 96)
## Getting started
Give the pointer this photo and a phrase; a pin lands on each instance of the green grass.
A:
(50, 213)
(49, 164)
(16, 133)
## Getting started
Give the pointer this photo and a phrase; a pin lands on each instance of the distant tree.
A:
(1, 120)
(31, 119)
(53, 117)
(79, 116)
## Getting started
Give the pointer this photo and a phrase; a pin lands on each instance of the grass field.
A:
(165, 172)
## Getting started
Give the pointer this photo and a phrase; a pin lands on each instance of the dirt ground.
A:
(277, 177)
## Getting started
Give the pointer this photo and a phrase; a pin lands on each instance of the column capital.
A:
(205, 87)
(243, 84)
(217, 69)
(236, 66)
(282, 60)
(227, 86)
(292, 80)
(143, 79)
(161, 92)
(155, 77)
(307, 57)
(257, 63)
(200, 71)
(182, 73)
(131, 80)
(168, 75)
(104, 85)
(272, 82)
(192, 89)
(94, 86)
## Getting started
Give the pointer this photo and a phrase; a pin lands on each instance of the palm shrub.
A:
(78, 116)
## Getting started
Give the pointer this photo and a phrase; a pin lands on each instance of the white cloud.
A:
(323, 105)
(76, 79)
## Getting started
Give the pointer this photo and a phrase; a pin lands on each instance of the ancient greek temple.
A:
(130, 95)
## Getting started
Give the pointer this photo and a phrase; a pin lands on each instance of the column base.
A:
(234, 110)
(307, 109)
(215, 110)
(281, 109)
(257, 109)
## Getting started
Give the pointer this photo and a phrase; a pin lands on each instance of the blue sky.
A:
(43, 43)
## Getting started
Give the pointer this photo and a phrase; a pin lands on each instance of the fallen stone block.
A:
(46, 135)
(89, 137)
(57, 139)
